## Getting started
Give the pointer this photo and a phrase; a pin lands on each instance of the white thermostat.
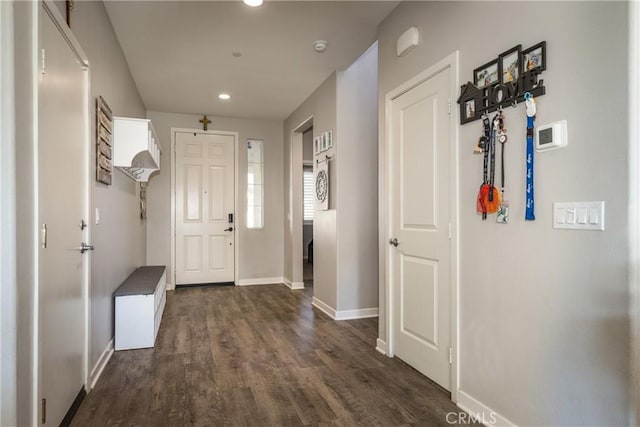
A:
(551, 136)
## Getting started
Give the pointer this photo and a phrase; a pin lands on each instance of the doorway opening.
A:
(307, 207)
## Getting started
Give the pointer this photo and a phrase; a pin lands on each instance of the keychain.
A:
(502, 216)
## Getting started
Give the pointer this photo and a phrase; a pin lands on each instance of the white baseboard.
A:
(293, 285)
(260, 281)
(481, 412)
(362, 313)
(382, 347)
(323, 307)
(100, 365)
(171, 286)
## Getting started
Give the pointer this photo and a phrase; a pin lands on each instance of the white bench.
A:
(139, 305)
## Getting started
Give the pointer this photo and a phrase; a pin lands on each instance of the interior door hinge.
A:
(43, 236)
(42, 61)
(43, 410)
(450, 231)
(449, 106)
(450, 356)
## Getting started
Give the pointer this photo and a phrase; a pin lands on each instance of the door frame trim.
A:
(8, 275)
(450, 62)
(296, 195)
(634, 212)
(236, 238)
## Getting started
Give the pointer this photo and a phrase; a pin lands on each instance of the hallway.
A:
(260, 356)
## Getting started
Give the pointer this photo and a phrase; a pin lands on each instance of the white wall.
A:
(25, 19)
(321, 104)
(120, 237)
(357, 161)
(345, 236)
(260, 250)
(8, 282)
(119, 240)
(544, 322)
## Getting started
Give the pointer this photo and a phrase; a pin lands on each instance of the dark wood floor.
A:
(260, 356)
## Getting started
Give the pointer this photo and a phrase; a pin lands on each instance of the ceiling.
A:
(180, 53)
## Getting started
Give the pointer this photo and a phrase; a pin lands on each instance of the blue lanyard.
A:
(529, 212)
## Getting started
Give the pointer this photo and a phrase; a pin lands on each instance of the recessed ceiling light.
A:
(224, 96)
(253, 3)
(320, 46)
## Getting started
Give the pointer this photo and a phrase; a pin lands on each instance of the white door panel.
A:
(62, 145)
(420, 182)
(204, 199)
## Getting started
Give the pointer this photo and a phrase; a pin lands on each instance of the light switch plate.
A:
(579, 215)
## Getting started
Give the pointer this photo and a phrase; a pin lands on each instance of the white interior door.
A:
(62, 157)
(420, 211)
(204, 207)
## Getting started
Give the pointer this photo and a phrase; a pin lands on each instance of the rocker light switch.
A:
(579, 215)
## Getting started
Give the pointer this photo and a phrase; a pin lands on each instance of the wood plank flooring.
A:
(260, 356)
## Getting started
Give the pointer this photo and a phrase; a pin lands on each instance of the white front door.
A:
(205, 208)
(420, 214)
(62, 161)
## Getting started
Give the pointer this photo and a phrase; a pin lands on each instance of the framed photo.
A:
(470, 109)
(509, 64)
(534, 58)
(317, 145)
(486, 75)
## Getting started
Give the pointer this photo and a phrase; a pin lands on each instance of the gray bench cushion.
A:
(143, 281)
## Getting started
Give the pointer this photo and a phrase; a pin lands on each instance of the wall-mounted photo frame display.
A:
(329, 138)
(317, 145)
(322, 142)
(104, 142)
(535, 57)
(509, 65)
(503, 81)
(486, 75)
(469, 109)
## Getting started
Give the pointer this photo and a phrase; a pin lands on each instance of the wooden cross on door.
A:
(205, 121)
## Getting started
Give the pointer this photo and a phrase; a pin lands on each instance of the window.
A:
(255, 185)
(308, 190)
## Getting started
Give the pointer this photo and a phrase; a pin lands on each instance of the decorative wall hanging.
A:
(104, 142)
(322, 184)
(503, 82)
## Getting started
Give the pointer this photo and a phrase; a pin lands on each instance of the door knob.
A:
(228, 229)
(394, 242)
(84, 247)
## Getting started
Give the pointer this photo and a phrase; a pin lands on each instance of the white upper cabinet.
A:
(136, 150)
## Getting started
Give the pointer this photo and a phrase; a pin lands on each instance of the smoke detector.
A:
(320, 46)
